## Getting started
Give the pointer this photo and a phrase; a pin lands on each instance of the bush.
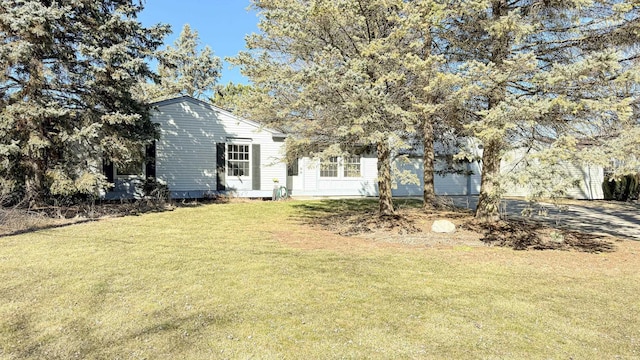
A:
(154, 189)
(622, 189)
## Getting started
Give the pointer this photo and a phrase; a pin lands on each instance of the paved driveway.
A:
(622, 220)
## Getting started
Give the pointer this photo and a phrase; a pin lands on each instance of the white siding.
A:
(186, 151)
(590, 178)
(310, 183)
(450, 184)
(509, 162)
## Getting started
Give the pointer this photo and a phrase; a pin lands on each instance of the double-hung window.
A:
(351, 166)
(346, 167)
(238, 160)
(329, 167)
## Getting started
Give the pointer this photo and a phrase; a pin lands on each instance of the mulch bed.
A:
(415, 224)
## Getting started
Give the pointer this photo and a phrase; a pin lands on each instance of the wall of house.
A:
(310, 183)
(186, 150)
(467, 183)
(589, 177)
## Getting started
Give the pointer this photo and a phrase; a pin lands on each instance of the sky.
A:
(221, 24)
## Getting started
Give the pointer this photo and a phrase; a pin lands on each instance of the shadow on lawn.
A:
(347, 207)
(349, 217)
(81, 338)
(356, 216)
(17, 220)
(533, 235)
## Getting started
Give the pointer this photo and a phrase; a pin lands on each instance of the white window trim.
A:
(341, 168)
(228, 160)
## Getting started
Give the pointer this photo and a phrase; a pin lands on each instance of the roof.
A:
(187, 98)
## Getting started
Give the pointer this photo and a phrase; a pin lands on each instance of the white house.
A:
(204, 151)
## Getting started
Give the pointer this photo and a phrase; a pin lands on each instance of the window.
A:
(133, 168)
(329, 167)
(292, 168)
(238, 160)
(352, 166)
(347, 167)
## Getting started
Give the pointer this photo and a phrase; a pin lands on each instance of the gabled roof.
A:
(187, 98)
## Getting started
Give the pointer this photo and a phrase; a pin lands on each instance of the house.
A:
(205, 151)
(572, 179)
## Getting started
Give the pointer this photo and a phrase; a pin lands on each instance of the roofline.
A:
(212, 107)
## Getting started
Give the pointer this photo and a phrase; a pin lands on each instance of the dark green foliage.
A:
(623, 189)
(65, 94)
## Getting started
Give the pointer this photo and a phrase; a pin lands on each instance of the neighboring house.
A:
(205, 151)
(589, 178)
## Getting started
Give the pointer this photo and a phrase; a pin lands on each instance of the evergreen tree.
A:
(541, 75)
(430, 80)
(340, 73)
(65, 93)
(185, 70)
(231, 96)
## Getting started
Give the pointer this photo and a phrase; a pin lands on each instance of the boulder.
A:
(443, 226)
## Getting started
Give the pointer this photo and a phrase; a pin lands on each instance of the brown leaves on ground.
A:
(17, 220)
(412, 226)
(521, 234)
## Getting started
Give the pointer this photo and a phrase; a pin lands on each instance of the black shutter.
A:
(107, 169)
(150, 160)
(220, 167)
(255, 166)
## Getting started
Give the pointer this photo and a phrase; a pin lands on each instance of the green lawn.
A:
(251, 280)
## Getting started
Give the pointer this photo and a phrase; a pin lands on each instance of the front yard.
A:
(256, 279)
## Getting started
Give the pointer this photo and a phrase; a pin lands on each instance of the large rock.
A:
(443, 226)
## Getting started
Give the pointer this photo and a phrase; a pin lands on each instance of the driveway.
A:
(615, 219)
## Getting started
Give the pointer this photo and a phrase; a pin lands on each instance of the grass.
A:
(252, 279)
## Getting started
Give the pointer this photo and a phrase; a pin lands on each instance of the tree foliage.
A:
(548, 76)
(183, 69)
(65, 93)
(340, 75)
(231, 96)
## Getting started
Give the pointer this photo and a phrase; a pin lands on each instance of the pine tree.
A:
(65, 94)
(183, 69)
(340, 73)
(430, 80)
(231, 96)
(540, 77)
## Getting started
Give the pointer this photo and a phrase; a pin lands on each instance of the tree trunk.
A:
(490, 193)
(428, 161)
(34, 182)
(384, 179)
